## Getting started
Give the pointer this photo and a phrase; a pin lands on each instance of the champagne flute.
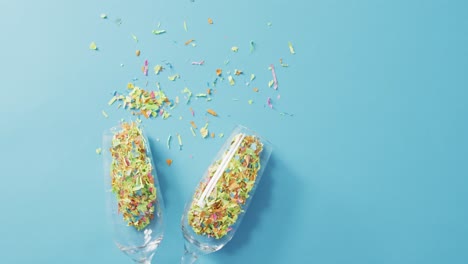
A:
(215, 210)
(134, 201)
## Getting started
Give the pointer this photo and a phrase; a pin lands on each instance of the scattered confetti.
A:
(193, 112)
(291, 48)
(168, 142)
(204, 131)
(103, 16)
(189, 95)
(274, 76)
(134, 38)
(269, 24)
(250, 101)
(173, 77)
(132, 176)
(210, 21)
(255, 90)
(145, 68)
(104, 114)
(221, 135)
(169, 162)
(180, 141)
(157, 69)
(212, 112)
(238, 72)
(158, 31)
(283, 64)
(219, 72)
(220, 199)
(252, 46)
(208, 91)
(252, 77)
(93, 46)
(269, 103)
(189, 41)
(98, 151)
(270, 83)
(137, 53)
(193, 132)
(235, 49)
(185, 26)
(198, 62)
(231, 80)
(212, 135)
(148, 102)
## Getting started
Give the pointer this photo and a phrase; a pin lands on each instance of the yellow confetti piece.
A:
(93, 46)
(173, 77)
(204, 131)
(210, 21)
(235, 49)
(180, 141)
(137, 53)
(231, 80)
(291, 48)
(98, 151)
(255, 90)
(157, 69)
(221, 135)
(212, 112)
(193, 124)
(105, 114)
(250, 101)
(270, 83)
(189, 41)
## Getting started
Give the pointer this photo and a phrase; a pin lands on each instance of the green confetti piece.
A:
(134, 38)
(201, 95)
(231, 80)
(235, 49)
(291, 48)
(179, 138)
(250, 101)
(173, 77)
(185, 27)
(189, 94)
(103, 16)
(104, 114)
(158, 31)
(269, 24)
(252, 46)
(270, 83)
(157, 69)
(221, 135)
(98, 151)
(252, 77)
(193, 132)
(93, 46)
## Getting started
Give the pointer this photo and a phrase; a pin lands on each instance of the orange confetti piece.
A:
(210, 21)
(212, 134)
(193, 124)
(169, 162)
(255, 90)
(208, 91)
(137, 52)
(212, 112)
(237, 72)
(189, 41)
(218, 72)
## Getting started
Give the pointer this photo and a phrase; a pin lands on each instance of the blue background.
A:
(372, 167)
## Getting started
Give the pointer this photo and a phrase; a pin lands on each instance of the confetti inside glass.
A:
(224, 193)
(134, 201)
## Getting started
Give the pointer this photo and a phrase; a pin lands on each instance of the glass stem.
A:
(189, 257)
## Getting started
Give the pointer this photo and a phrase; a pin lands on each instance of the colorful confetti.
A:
(157, 69)
(252, 46)
(269, 103)
(132, 176)
(220, 198)
(219, 72)
(98, 151)
(210, 21)
(137, 53)
(204, 131)
(189, 41)
(231, 80)
(104, 114)
(185, 26)
(103, 16)
(173, 77)
(252, 77)
(169, 162)
(134, 38)
(235, 49)
(198, 62)
(179, 138)
(168, 142)
(283, 64)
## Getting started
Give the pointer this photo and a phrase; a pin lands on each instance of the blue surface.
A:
(372, 167)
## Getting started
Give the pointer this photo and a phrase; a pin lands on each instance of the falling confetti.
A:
(158, 69)
(235, 49)
(137, 53)
(210, 21)
(104, 114)
(219, 72)
(252, 46)
(189, 41)
(211, 112)
(291, 48)
(231, 80)
(185, 26)
(103, 16)
(169, 162)
(274, 76)
(134, 38)
(93, 46)
(173, 77)
(158, 31)
(98, 151)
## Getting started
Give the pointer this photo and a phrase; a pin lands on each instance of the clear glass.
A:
(131, 155)
(217, 207)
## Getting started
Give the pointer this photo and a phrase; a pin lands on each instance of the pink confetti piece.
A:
(274, 76)
(146, 68)
(269, 103)
(278, 97)
(198, 62)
